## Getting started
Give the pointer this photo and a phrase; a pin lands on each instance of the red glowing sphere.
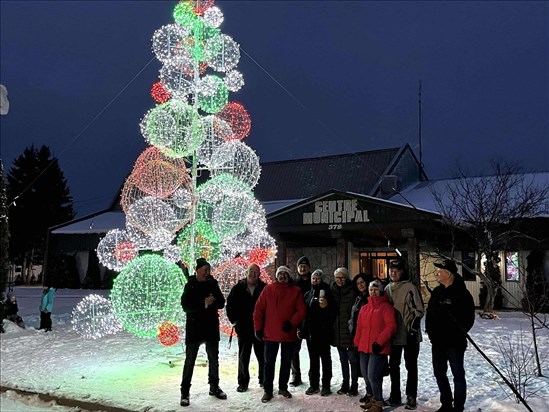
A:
(125, 251)
(238, 118)
(168, 334)
(159, 93)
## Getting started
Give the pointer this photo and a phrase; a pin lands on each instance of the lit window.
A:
(512, 267)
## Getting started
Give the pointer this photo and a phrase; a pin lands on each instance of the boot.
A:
(184, 401)
(411, 402)
(217, 392)
(377, 406)
(344, 388)
(296, 381)
(368, 401)
(353, 390)
(325, 391)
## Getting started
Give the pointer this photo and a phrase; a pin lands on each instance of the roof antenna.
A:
(420, 142)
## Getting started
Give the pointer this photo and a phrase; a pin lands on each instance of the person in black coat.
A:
(318, 331)
(450, 315)
(11, 311)
(201, 300)
(240, 310)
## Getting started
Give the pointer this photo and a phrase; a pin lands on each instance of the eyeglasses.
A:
(340, 277)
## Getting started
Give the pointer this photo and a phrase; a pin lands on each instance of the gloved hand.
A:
(259, 334)
(376, 348)
(287, 326)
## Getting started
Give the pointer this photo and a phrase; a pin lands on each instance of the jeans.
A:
(372, 366)
(411, 352)
(244, 352)
(348, 356)
(442, 355)
(296, 368)
(286, 353)
(319, 351)
(191, 351)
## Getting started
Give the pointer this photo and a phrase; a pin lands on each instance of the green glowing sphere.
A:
(147, 293)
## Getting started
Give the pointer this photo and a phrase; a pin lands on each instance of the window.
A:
(376, 263)
(512, 267)
(468, 259)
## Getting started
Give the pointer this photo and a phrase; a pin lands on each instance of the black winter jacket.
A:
(240, 308)
(318, 325)
(344, 297)
(202, 324)
(450, 314)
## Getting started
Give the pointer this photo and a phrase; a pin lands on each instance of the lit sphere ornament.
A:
(174, 127)
(158, 175)
(160, 94)
(168, 333)
(201, 6)
(216, 131)
(158, 240)
(213, 17)
(178, 80)
(168, 43)
(184, 14)
(147, 293)
(116, 250)
(238, 118)
(212, 94)
(94, 317)
(205, 243)
(238, 160)
(234, 81)
(222, 53)
(172, 253)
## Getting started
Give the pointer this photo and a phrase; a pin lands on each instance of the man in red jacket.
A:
(277, 314)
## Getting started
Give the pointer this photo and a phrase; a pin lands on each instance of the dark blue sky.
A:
(349, 72)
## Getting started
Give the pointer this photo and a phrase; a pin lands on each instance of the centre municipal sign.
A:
(335, 211)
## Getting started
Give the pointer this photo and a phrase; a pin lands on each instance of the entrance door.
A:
(376, 263)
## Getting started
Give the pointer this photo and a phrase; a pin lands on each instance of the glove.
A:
(376, 348)
(299, 335)
(259, 334)
(287, 326)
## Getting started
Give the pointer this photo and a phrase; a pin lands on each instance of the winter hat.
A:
(201, 262)
(342, 270)
(376, 283)
(397, 264)
(449, 265)
(9, 295)
(303, 260)
(283, 269)
(318, 272)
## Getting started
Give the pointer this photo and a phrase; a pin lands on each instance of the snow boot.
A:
(325, 391)
(266, 397)
(312, 390)
(353, 390)
(344, 388)
(377, 406)
(411, 403)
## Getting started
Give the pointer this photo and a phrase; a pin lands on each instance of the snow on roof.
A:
(100, 223)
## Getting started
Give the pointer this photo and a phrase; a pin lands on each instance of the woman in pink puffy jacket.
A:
(376, 324)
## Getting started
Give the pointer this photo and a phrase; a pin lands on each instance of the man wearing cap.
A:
(450, 315)
(277, 314)
(405, 297)
(201, 300)
(240, 309)
(303, 281)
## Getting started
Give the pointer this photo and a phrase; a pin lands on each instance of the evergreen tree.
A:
(40, 199)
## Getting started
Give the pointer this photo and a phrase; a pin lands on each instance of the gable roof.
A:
(304, 178)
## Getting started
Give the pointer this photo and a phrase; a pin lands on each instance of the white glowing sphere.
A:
(169, 43)
(238, 160)
(177, 78)
(217, 131)
(116, 250)
(234, 80)
(213, 17)
(222, 53)
(150, 214)
(172, 253)
(94, 317)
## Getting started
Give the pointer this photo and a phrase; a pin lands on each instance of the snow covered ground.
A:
(61, 371)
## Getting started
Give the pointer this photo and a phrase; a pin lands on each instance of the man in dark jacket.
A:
(450, 315)
(303, 281)
(317, 330)
(277, 314)
(344, 297)
(240, 310)
(201, 300)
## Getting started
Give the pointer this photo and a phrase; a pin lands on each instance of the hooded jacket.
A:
(376, 323)
(279, 302)
(408, 304)
(46, 303)
(450, 314)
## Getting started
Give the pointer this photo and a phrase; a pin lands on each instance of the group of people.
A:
(11, 309)
(372, 325)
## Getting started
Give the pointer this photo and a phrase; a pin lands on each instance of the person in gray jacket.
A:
(409, 308)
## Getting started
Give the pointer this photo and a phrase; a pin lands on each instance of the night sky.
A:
(79, 73)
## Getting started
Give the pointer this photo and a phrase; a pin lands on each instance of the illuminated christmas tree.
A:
(194, 128)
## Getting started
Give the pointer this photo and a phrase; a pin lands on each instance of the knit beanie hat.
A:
(344, 271)
(376, 283)
(201, 262)
(283, 269)
(318, 272)
(303, 260)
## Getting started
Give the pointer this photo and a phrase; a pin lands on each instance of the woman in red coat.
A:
(376, 324)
